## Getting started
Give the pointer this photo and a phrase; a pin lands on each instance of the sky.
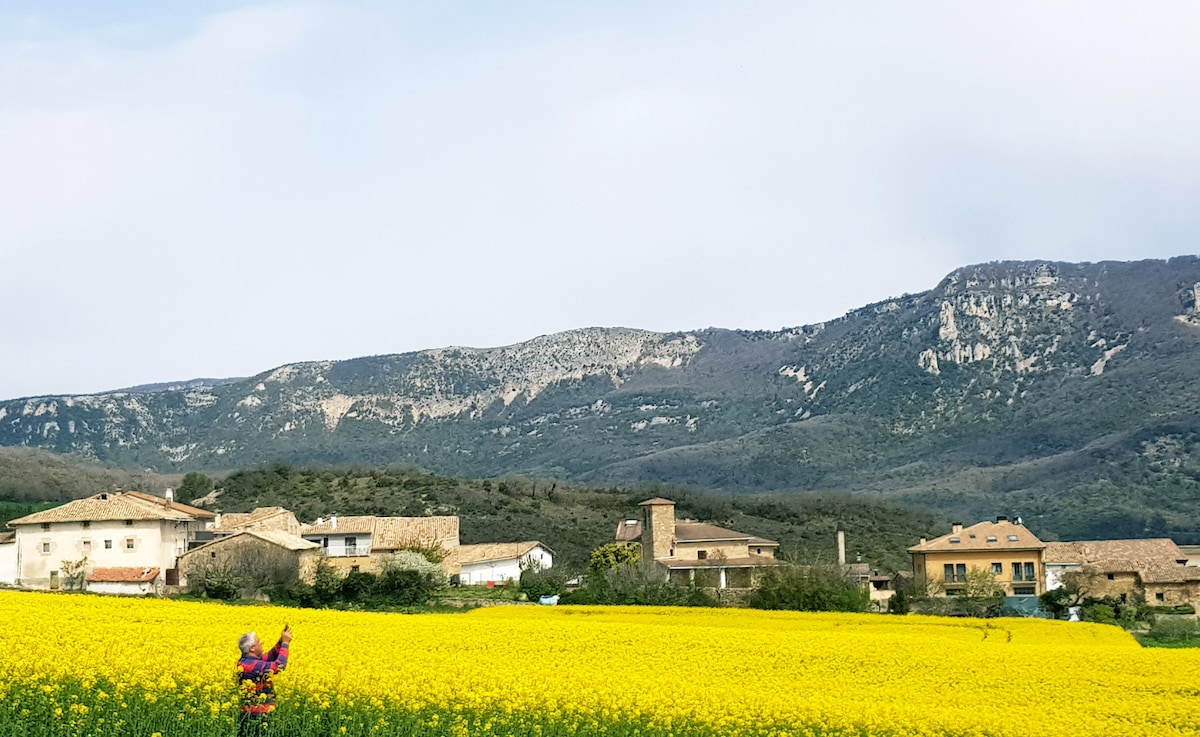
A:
(217, 189)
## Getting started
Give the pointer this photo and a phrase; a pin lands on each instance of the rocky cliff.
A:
(1004, 379)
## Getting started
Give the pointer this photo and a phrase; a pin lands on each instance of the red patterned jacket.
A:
(258, 697)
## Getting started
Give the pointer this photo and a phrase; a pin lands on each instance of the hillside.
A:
(1065, 393)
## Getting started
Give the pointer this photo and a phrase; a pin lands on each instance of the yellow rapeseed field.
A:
(87, 665)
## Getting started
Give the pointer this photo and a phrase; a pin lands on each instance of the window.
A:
(129, 523)
(45, 525)
(87, 523)
(991, 538)
(354, 569)
(351, 545)
(1024, 572)
(1111, 577)
(997, 568)
(1030, 574)
(45, 547)
(1159, 596)
(1024, 590)
(108, 544)
(212, 554)
(702, 554)
(129, 543)
(955, 573)
(758, 551)
(87, 546)
(955, 540)
(1013, 538)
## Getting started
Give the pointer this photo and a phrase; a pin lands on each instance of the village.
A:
(134, 543)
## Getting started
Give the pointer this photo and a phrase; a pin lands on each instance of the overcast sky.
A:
(224, 188)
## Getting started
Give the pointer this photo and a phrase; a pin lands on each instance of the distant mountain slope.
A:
(1058, 388)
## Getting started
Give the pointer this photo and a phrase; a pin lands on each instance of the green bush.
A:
(538, 582)
(1174, 629)
(809, 589)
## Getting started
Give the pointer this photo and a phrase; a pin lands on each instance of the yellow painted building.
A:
(1008, 551)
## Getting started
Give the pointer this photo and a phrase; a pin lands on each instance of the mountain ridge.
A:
(995, 369)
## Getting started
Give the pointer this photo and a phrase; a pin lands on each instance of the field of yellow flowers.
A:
(79, 665)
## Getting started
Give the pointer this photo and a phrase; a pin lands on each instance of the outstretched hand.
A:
(286, 637)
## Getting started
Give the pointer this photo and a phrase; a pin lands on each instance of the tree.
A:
(610, 555)
(1075, 589)
(193, 486)
(75, 574)
(812, 588)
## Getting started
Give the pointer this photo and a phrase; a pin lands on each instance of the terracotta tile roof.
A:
(629, 530)
(186, 509)
(283, 539)
(347, 525)
(1155, 560)
(749, 561)
(109, 506)
(656, 502)
(271, 518)
(393, 533)
(1000, 535)
(689, 532)
(485, 552)
(135, 574)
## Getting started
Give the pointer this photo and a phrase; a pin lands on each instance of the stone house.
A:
(364, 543)
(1007, 550)
(496, 563)
(107, 530)
(697, 552)
(1153, 568)
(261, 556)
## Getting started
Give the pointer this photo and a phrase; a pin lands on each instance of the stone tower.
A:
(658, 529)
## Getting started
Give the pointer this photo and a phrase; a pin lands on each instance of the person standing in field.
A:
(255, 669)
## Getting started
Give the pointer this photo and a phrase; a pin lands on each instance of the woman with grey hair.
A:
(255, 669)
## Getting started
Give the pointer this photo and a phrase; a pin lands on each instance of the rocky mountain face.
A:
(1063, 392)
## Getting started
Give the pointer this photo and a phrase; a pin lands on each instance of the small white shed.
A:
(131, 581)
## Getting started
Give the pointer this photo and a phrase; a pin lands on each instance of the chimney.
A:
(922, 541)
(333, 522)
(1001, 518)
(841, 543)
(955, 527)
(169, 495)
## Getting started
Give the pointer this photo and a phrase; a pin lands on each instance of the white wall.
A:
(337, 543)
(156, 544)
(125, 588)
(499, 571)
(8, 563)
(1054, 573)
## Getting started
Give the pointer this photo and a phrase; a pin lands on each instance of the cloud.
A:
(243, 188)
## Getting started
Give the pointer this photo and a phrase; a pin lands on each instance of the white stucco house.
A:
(495, 563)
(110, 530)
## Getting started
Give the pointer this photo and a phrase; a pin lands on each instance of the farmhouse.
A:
(1153, 568)
(108, 530)
(364, 543)
(697, 552)
(493, 563)
(1008, 551)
